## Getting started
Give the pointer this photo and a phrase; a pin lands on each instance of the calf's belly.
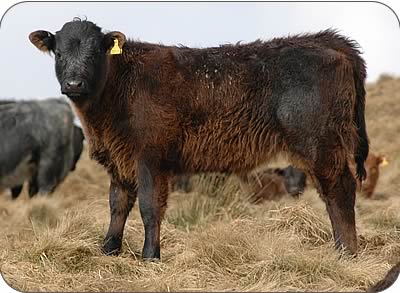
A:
(237, 153)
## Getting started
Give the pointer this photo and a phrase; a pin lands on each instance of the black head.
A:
(294, 180)
(78, 138)
(81, 53)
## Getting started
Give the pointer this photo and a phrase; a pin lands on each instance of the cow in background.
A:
(39, 143)
(7, 102)
(372, 166)
(77, 142)
(274, 183)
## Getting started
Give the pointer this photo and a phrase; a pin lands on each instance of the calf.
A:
(272, 184)
(39, 144)
(151, 112)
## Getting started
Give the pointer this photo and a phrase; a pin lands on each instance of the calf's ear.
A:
(279, 171)
(43, 40)
(382, 161)
(111, 37)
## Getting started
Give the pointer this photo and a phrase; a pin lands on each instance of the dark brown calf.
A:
(151, 112)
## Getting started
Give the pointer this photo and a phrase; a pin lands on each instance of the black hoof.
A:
(151, 254)
(151, 259)
(111, 247)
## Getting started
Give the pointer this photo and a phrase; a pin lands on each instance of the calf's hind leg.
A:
(122, 199)
(338, 193)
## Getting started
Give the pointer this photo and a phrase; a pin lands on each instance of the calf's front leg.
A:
(151, 187)
(121, 202)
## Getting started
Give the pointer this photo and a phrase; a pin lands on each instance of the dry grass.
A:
(212, 239)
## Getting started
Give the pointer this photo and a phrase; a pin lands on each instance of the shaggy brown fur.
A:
(157, 111)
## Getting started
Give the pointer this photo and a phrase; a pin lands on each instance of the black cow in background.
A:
(7, 102)
(77, 142)
(39, 143)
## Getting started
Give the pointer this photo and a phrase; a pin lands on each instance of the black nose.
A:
(74, 86)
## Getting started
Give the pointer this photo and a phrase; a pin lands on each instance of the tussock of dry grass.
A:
(213, 238)
(303, 221)
(214, 198)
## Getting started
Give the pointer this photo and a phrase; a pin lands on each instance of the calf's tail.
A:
(362, 148)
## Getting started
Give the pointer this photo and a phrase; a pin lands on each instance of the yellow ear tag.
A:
(116, 50)
(384, 162)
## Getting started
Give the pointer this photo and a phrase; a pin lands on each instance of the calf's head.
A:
(294, 180)
(81, 53)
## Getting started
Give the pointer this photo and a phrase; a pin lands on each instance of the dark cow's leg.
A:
(33, 186)
(152, 192)
(48, 175)
(16, 191)
(121, 202)
(339, 196)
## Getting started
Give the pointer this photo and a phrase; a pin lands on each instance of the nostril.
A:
(74, 84)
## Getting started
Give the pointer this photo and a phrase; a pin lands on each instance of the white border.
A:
(6, 4)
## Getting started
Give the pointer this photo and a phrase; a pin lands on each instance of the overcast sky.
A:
(25, 72)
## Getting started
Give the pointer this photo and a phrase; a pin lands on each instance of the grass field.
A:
(212, 240)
